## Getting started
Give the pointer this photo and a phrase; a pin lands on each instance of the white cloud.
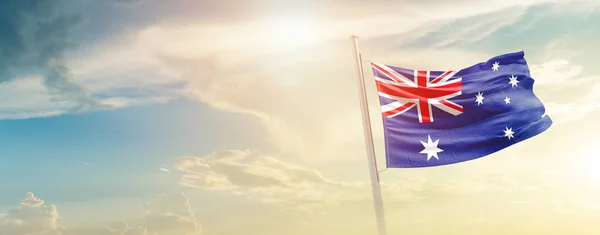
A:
(123, 228)
(171, 214)
(166, 214)
(116, 228)
(472, 29)
(555, 72)
(122, 102)
(228, 170)
(28, 97)
(164, 169)
(31, 218)
(562, 113)
(138, 66)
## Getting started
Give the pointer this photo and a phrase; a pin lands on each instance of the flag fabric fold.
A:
(434, 118)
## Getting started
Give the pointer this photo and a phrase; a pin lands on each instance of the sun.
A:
(292, 33)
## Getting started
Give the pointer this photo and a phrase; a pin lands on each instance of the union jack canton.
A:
(434, 118)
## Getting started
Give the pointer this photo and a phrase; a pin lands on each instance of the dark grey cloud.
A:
(34, 36)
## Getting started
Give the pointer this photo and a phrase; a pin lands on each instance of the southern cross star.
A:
(431, 148)
(513, 81)
(496, 66)
(479, 98)
(509, 133)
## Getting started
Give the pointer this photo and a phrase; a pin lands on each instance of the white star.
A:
(509, 133)
(431, 148)
(479, 98)
(513, 81)
(495, 66)
(507, 100)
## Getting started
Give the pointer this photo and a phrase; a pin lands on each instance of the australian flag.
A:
(434, 118)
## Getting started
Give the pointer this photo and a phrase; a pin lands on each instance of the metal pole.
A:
(377, 197)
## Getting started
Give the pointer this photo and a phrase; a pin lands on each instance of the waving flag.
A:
(434, 118)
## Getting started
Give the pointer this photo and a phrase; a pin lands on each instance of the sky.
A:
(202, 117)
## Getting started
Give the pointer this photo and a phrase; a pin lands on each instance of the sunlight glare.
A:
(292, 33)
(588, 167)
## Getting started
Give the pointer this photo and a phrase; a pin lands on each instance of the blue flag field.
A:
(434, 118)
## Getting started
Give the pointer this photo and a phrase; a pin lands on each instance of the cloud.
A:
(35, 36)
(122, 228)
(122, 102)
(282, 185)
(264, 178)
(571, 112)
(286, 186)
(554, 72)
(488, 197)
(465, 30)
(116, 228)
(233, 169)
(31, 218)
(171, 214)
(164, 169)
(166, 214)
(27, 97)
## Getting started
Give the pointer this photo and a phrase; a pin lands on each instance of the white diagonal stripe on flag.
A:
(444, 107)
(390, 73)
(389, 82)
(444, 76)
(396, 108)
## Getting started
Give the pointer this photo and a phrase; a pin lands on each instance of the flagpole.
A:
(375, 186)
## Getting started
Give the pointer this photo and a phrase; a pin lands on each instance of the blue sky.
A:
(124, 147)
(252, 113)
